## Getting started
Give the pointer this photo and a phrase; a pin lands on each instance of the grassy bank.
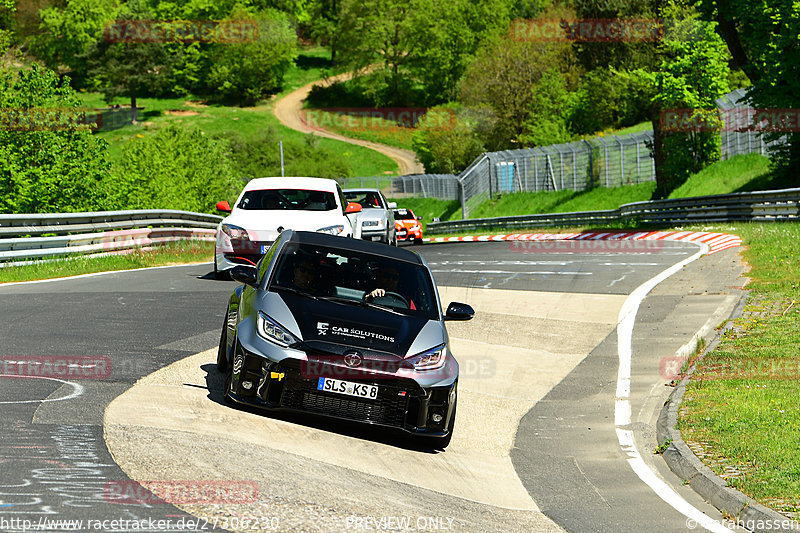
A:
(249, 122)
(741, 407)
(175, 253)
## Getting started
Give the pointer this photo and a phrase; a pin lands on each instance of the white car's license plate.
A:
(360, 390)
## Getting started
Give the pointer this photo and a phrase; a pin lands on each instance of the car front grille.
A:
(385, 411)
(389, 408)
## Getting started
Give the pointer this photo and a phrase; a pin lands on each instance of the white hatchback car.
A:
(267, 206)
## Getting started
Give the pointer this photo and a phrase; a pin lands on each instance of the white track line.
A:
(622, 406)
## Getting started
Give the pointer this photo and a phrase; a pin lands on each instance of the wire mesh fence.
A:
(604, 161)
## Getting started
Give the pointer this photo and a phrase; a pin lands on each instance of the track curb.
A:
(745, 511)
(715, 241)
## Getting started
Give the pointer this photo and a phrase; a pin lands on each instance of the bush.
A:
(260, 157)
(248, 71)
(448, 139)
(46, 168)
(175, 168)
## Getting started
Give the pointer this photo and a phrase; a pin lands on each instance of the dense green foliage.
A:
(45, 166)
(762, 37)
(692, 74)
(178, 168)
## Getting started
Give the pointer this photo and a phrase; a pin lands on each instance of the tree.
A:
(692, 74)
(323, 23)
(7, 9)
(451, 42)
(125, 68)
(762, 39)
(47, 166)
(384, 36)
(509, 75)
(67, 33)
(447, 139)
(248, 71)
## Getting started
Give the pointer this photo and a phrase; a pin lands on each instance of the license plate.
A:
(264, 248)
(360, 390)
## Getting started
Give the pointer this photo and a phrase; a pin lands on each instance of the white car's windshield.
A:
(287, 199)
(367, 199)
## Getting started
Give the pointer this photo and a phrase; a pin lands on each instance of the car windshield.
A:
(403, 214)
(287, 199)
(349, 276)
(367, 199)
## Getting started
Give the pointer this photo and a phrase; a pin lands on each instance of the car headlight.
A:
(274, 332)
(370, 223)
(235, 232)
(430, 360)
(331, 230)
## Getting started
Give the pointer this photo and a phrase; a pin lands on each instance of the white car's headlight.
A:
(430, 360)
(332, 230)
(274, 332)
(235, 232)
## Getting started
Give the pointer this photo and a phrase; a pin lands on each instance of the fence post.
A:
(591, 163)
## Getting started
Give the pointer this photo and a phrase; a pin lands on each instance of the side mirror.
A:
(459, 311)
(353, 207)
(419, 218)
(245, 274)
(392, 205)
(224, 206)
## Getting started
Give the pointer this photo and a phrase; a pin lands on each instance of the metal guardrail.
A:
(781, 205)
(37, 236)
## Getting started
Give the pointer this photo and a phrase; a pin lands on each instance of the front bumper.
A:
(401, 403)
(404, 234)
(240, 253)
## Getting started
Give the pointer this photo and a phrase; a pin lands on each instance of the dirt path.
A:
(287, 109)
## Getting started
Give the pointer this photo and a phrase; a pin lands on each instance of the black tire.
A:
(222, 350)
(417, 241)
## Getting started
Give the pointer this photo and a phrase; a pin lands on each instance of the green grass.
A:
(250, 122)
(742, 401)
(636, 128)
(178, 252)
(735, 174)
(564, 201)
(740, 173)
(367, 128)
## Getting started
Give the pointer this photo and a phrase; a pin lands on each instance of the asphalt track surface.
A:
(553, 308)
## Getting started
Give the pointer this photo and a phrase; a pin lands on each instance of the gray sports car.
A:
(343, 328)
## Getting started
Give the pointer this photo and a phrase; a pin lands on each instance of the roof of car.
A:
(318, 184)
(356, 245)
(361, 190)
